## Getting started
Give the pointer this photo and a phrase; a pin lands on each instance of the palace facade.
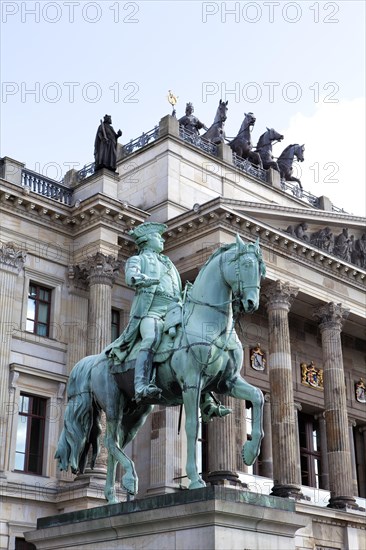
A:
(63, 296)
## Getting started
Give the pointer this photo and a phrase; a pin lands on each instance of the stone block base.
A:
(212, 517)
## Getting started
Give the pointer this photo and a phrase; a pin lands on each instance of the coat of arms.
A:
(311, 376)
(257, 358)
(360, 391)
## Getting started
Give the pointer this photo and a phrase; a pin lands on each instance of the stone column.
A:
(352, 424)
(331, 317)
(323, 451)
(222, 444)
(101, 273)
(266, 447)
(12, 260)
(286, 460)
(165, 449)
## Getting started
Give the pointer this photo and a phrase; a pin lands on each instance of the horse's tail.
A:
(81, 421)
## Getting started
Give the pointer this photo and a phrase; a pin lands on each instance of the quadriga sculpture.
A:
(188, 367)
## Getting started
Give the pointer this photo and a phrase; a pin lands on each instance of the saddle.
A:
(171, 334)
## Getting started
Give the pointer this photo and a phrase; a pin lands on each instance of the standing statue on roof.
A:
(191, 122)
(105, 145)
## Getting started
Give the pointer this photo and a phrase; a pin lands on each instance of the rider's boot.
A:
(143, 387)
(210, 408)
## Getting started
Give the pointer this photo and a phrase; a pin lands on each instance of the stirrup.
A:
(210, 411)
(148, 391)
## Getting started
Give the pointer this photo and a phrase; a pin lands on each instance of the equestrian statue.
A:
(165, 357)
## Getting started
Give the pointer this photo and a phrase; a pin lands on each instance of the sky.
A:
(298, 66)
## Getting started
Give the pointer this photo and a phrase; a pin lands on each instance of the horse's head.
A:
(299, 152)
(222, 110)
(245, 278)
(249, 119)
(273, 135)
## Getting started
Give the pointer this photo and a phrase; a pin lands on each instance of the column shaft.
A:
(339, 457)
(222, 443)
(286, 466)
(266, 447)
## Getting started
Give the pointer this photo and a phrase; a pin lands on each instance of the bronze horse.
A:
(216, 133)
(264, 148)
(286, 159)
(242, 144)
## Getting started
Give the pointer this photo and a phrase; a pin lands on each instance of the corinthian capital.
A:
(101, 269)
(12, 256)
(331, 316)
(279, 295)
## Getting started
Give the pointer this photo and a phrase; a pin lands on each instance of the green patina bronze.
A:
(195, 351)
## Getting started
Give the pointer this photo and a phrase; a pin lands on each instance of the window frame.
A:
(30, 416)
(117, 324)
(311, 425)
(38, 300)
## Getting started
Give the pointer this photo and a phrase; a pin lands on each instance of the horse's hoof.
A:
(249, 453)
(129, 484)
(113, 500)
(197, 484)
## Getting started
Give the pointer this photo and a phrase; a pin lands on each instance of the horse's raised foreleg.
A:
(191, 401)
(242, 390)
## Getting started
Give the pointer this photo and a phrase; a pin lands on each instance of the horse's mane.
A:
(286, 149)
(225, 248)
(261, 139)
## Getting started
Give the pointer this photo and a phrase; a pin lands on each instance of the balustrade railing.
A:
(141, 141)
(197, 141)
(46, 187)
(247, 167)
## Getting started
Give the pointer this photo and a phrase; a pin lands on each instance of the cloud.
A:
(334, 165)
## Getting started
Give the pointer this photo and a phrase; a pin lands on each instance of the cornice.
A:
(69, 220)
(216, 214)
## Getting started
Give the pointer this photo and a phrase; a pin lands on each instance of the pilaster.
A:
(12, 260)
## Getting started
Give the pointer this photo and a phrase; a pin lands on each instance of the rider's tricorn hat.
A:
(141, 233)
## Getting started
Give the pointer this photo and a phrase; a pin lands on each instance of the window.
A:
(310, 456)
(22, 544)
(30, 434)
(115, 328)
(38, 310)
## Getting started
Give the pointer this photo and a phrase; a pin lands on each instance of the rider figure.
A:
(157, 284)
(190, 122)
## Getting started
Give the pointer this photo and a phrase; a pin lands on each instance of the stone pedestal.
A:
(286, 463)
(12, 260)
(331, 317)
(212, 517)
